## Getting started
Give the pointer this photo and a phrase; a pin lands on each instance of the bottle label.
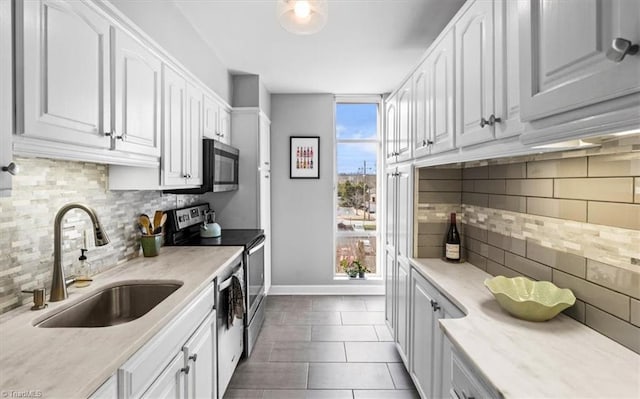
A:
(453, 251)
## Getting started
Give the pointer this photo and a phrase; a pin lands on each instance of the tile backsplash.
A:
(570, 217)
(26, 223)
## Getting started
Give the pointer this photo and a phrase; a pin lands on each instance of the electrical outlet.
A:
(180, 201)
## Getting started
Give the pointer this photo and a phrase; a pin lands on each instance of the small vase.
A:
(360, 274)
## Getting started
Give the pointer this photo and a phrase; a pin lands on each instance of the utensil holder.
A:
(151, 244)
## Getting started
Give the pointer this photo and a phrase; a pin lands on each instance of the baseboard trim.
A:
(326, 290)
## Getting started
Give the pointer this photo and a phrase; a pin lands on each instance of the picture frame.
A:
(304, 159)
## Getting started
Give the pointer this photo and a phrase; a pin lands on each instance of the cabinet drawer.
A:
(465, 384)
(143, 367)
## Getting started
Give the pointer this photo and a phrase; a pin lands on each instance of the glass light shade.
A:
(293, 17)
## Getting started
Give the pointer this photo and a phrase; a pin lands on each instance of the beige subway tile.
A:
(606, 299)
(440, 185)
(558, 208)
(496, 254)
(479, 172)
(477, 260)
(511, 244)
(496, 269)
(468, 186)
(476, 246)
(569, 263)
(527, 267)
(577, 311)
(440, 173)
(433, 228)
(430, 252)
(508, 203)
(615, 165)
(569, 167)
(618, 330)
(490, 186)
(439, 198)
(475, 232)
(616, 189)
(530, 187)
(508, 171)
(475, 199)
(626, 216)
(431, 240)
(635, 312)
(616, 278)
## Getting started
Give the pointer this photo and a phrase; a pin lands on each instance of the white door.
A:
(391, 187)
(442, 95)
(210, 115)
(264, 174)
(137, 95)
(193, 145)
(474, 77)
(391, 128)
(422, 116)
(402, 295)
(66, 73)
(174, 128)
(405, 125)
(404, 218)
(563, 54)
(422, 328)
(171, 383)
(200, 354)
(6, 97)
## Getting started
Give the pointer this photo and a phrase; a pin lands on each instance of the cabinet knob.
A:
(620, 48)
(11, 169)
(489, 122)
(434, 305)
(194, 357)
(185, 370)
(430, 142)
(114, 135)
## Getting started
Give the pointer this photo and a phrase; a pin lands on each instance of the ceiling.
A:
(366, 47)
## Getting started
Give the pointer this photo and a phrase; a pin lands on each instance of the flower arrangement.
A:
(353, 267)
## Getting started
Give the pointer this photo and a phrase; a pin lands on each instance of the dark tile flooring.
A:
(313, 347)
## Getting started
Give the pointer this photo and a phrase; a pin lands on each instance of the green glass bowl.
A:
(530, 300)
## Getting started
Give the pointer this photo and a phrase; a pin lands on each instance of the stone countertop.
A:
(74, 362)
(560, 358)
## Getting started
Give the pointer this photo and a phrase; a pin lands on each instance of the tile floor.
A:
(313, 347)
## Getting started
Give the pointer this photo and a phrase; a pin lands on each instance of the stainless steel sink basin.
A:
(115, 305)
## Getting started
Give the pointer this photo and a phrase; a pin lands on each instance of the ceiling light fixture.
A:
(302, 17)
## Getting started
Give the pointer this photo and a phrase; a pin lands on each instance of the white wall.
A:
(302, 210)
(165, 24)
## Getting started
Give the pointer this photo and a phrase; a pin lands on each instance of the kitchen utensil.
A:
(146, 223)
(157, 217)
(158, 227)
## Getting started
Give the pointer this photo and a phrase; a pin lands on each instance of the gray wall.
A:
(250, 91)
(165, 24)
(302, 210)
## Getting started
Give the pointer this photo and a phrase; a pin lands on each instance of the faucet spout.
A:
(58, 281)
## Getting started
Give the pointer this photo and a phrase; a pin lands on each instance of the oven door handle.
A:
(258, 246)
(225, 284)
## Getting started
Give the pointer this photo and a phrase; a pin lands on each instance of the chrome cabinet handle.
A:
(194, 357)
(490, 122)
(114, 135)
(185, 370)
(434, 305)
(11, 169)
(430, 142)
(620, 48)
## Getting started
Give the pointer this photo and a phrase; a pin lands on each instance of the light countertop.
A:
(560, 358)
(74, 362)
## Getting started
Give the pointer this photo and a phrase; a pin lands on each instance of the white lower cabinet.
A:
(429, 352)
(108, 390)
(465, 381)
(402, 317)
(165, 366)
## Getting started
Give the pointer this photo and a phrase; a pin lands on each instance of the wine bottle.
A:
(452, 246)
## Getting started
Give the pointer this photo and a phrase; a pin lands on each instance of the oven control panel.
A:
(190, 216)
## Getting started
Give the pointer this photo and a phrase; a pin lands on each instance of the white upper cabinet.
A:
(422, 114)
(174, 163)
(193, 144)
(563, 54)
(217, 120)
(6, 97)
(137, 97)
(441, 95)
(475, 74)
(391, 127)
(405, 125)
(224, 121)
(66, 74)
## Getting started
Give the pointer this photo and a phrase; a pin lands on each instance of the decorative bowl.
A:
(530, 300)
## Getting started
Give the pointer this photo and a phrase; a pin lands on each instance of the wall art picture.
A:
(305, 157)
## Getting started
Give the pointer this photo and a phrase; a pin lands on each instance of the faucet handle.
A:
(39, 295)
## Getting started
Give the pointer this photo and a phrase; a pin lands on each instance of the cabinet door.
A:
(442, 95)
(423, 325)
(390, 272)
(474, 66)
(200, 355)
(137, 94)
(402, 324)
(224, 124)
(209, 117)
(174, 128)
(265, 193)
(391, 128)
(108, 390)
(66, 73)
(6, 97)
(171, 383)
(564, 69)
(404, 217)
(405, 123)
(390, 209)
(422, 114)
(193, 145)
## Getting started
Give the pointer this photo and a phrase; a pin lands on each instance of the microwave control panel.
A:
(189, 216)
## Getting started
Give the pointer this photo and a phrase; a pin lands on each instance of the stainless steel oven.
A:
(254, 266)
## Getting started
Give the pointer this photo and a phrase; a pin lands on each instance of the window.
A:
(356, 181)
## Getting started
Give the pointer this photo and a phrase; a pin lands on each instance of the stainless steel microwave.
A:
(219, 169)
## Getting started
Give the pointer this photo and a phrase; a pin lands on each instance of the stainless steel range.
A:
(183, 229)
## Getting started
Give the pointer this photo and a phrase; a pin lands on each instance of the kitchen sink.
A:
(113, 305)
